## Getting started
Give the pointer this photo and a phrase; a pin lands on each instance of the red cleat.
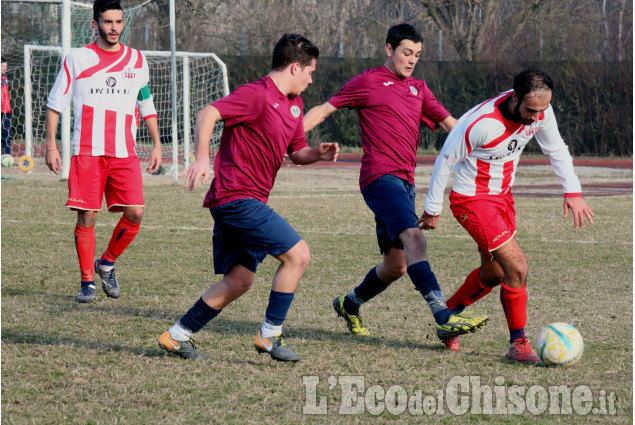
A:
(452, 343)
(520, 350)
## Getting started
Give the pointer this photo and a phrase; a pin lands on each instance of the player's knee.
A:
(414, 241)
(133, 215)
(397, 271)
(302, 256)
(238, 285)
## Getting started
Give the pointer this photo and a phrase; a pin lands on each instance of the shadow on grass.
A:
(18, 337)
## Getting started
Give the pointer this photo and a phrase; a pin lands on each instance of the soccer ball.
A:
(7, 160)
(560, 344)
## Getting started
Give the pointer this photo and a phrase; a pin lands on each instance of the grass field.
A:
(65, 363)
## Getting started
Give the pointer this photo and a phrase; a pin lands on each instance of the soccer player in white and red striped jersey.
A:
(391, 105)
(483, 150)
(107, 83)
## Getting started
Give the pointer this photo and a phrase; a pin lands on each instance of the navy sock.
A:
(426, 282)
(278, 307)
(198, 316)
(370, 287)
(516, 333)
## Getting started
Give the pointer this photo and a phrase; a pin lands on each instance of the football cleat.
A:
(276, 348)
(185, 349)
(86, 293)
(355, 323)
(459, 324)
(521, 351)
(108, 279)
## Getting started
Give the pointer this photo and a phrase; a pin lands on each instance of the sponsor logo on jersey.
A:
(111, 82)
(275, 105)
(388, 83)
(108, 91)
(128, 73)
(512, 145)
(295, 111)
(529, 132)
(414, 91)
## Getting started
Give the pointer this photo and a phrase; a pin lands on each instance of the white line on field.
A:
(324, 232)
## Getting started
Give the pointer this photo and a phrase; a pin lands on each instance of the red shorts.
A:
(489, 219)
(92, 177)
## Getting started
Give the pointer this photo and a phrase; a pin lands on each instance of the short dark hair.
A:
(3, 60)
(403, 32)
(293, 48)
(530, 80)
(100, 6)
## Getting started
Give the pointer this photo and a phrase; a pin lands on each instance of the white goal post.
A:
(201, 78)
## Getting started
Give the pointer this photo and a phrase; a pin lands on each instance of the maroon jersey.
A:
(6, 100)
(261, 125)
(390, 110)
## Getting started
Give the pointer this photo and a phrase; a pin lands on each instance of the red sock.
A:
(471, 291)
(122, 236)
(514, 301)
(85, 245)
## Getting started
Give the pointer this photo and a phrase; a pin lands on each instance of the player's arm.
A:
(52, 155)
(551, 144)
(454, 151)
(147, 110)
(205, 121)
(317, 115)
(307, 155)
(447, 124)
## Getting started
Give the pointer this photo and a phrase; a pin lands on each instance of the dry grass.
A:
(99, 363)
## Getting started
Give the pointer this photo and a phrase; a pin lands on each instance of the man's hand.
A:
(428, 222)
(155, 160)
(194, 172)
(579, 208)
(53, 160)
(328, 151)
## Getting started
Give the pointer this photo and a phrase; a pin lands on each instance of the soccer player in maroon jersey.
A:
(483, 150)
(106, 81)
(263, 121)
(391, 104)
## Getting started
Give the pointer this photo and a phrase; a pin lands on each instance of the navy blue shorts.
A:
(246, 231)
(392, 200)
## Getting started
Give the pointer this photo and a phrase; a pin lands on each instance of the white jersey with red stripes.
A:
(483, 150)
(104, 87)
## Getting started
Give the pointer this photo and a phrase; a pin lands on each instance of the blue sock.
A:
(105, 262)
(198, 316)
(370, 287)
(87, 282)
(278, 307)
(426, 282)
(516, 333)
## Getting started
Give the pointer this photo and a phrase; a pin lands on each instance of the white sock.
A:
(268, 330)
(179, 333)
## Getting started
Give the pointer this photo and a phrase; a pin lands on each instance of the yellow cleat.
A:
(459, 324)
(355, 323)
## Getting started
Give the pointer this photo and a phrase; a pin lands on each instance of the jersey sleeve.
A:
(455, 150)
(145, 101)
(243, 104)
(432, 111)
(353, 94)
(62, 92)
(551, 143)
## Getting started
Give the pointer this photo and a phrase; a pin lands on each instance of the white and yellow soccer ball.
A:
(560, 344)
(7, 160)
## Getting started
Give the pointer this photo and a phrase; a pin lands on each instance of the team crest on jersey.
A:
(414, 91)
(295, 111)
(111, 82)
(128, 73)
